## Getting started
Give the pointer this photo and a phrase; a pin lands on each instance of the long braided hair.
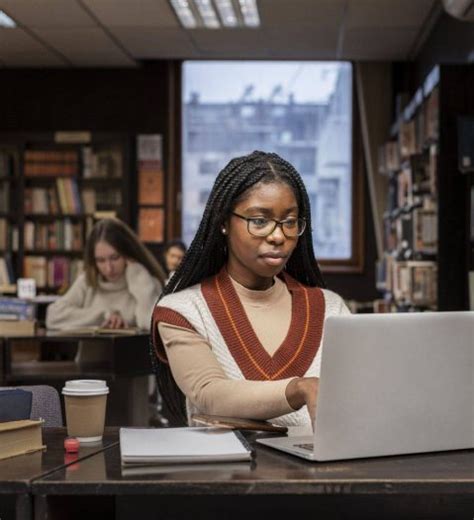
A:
(207, 253)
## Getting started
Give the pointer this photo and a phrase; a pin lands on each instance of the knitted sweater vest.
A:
(214, 311)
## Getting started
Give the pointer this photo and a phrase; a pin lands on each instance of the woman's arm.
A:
(145, 289)
(69, 312)
(201, 378)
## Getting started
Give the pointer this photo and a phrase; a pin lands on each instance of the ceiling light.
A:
(212, 14)
(184, 13)
(208, 15)
(227, 13)
(250, 12)
(6, 21)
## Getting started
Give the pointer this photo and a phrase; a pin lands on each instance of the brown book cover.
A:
(150, 190)
(151, 224)
(19, 437)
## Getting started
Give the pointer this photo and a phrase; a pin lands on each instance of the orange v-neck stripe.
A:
(295, 354)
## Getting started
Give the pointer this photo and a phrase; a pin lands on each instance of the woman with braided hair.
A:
(238, 328)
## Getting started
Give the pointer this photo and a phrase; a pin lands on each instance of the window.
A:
(300, 110)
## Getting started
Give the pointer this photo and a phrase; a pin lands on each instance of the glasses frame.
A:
(276, 222)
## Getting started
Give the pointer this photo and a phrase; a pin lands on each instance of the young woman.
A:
(119, 286)
(239, 326)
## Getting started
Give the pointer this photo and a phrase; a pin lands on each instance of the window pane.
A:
(300, 110)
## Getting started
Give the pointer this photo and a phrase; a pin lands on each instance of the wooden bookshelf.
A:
(426, 233)
(60, 190)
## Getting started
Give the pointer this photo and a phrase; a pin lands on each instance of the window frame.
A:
(173, 168)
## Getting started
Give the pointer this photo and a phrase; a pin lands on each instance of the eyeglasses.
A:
(262, 226)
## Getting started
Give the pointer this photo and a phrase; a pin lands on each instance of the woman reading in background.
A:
(238, 328)
(119, 286)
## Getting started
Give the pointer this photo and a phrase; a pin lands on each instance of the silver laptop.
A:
(392, 384)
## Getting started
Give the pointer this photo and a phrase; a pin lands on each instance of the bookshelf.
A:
(63, 183)
(426, 235)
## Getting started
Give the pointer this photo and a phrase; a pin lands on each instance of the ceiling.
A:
(122, 33)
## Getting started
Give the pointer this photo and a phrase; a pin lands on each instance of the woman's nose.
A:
(277, 235)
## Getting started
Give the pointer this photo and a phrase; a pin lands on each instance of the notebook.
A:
(143, 446)
(391, 384)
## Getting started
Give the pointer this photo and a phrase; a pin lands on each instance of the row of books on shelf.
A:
(415, 176)
(410, 141)
(59, 234)
(64, 198)
(9, 236)
(410, 282)
(420, 124)
(102, 163)
(417, 228)
(54, 272)
(50, 163)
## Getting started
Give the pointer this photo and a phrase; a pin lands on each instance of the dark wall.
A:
(451, 41)
(114, 100)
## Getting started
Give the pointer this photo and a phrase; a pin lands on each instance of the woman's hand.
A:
(303, 391)
(115, 321)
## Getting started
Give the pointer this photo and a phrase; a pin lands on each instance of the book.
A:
(20, 437)
(234, 423)
(151, 224)
(149, 446)
(17, 308)
(150, 188)
(15, 405)
(17, 328)
(97, 330)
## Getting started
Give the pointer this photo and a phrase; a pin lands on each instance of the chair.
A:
(45, 403)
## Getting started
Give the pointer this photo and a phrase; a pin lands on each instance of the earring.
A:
(223, 230)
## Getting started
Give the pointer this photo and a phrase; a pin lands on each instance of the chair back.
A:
(45, 403)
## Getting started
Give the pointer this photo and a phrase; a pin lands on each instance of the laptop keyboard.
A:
(307, 446)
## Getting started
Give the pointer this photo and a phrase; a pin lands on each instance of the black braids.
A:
(206, 254)
(199, 243)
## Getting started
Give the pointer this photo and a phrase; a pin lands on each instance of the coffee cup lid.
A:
(85, 387)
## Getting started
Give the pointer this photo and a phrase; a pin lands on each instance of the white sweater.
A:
(134, 296)
(211, 382)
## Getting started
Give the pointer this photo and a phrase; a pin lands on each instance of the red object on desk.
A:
(71, 445)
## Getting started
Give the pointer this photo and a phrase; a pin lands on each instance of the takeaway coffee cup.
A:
(85, 401)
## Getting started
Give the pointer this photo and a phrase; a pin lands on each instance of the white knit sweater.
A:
(191, 304)
(133, 296)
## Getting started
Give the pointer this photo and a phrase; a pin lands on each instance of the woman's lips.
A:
(274, 259)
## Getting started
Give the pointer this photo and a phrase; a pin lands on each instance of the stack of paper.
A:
(143, 446)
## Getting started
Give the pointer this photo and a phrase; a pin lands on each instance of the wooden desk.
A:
(125, 368)
(17, 473)
(423, 486)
